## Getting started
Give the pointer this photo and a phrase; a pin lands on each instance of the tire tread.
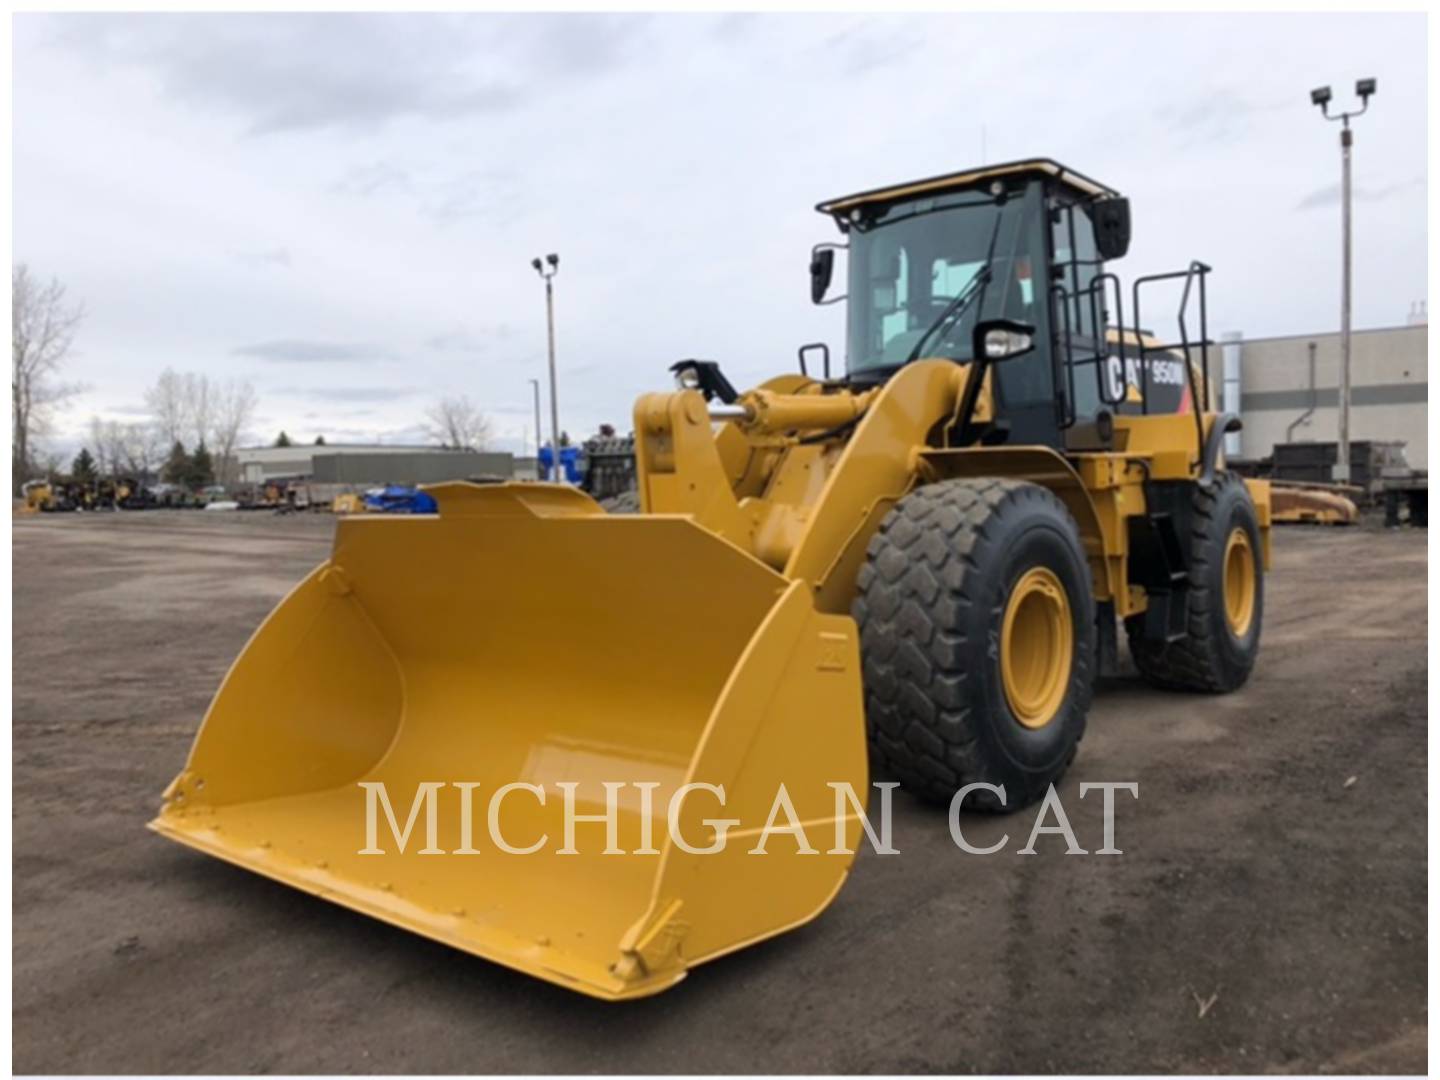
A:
(921, 570)
(1194, 662)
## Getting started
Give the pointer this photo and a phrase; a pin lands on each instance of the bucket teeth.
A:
(653, 947)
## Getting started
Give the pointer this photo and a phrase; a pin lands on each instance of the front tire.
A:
(977, 637)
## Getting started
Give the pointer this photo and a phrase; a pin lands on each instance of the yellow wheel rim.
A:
(1037, 641)
(1239, 582)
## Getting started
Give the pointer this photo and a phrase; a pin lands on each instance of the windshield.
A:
(909, 266)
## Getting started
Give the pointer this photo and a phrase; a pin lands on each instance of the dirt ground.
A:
(1268, 913)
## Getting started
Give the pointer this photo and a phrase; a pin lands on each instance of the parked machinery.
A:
(609, 464)
(936, 546)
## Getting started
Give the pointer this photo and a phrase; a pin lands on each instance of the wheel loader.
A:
(919, 562)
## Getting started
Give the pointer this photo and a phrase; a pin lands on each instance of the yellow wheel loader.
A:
(936, 545)
(39, 497)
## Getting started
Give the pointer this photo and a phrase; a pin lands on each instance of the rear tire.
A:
(1225, 602)
(627, 502)
(977, 638)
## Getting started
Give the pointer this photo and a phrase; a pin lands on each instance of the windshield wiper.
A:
(953, 310)
(977, 284)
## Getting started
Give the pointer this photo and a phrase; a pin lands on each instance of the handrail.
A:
(1195, 271)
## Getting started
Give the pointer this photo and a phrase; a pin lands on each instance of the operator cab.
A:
(1020, 246)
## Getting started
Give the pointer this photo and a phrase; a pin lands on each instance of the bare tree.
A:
(166, 402)
(141, 448)
(99, 442)
(43, 325)
(199, 406)
(234, 408)
(110, 438)
(456, 422)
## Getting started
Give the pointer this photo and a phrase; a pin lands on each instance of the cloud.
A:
(525, 411)
(310, 352)
(440, 195)
(298, 72)
(456, 341)
(1218, 116)
(413, 435)
(734, 25)
(870, 46)
(349, 393)
(373, 179)
(489, 194)
(331, 414)
(275, 257)
(465, 341)
(304, 72)
(584, 43)
(1329, 195)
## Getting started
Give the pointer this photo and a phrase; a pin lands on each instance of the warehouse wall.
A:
(421, 467)
(255, 470)
(1388, 387)
(261, 463)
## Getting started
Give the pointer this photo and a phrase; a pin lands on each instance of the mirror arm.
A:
(969, 398)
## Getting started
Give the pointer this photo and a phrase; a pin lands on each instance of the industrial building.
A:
(362, 463)
(1288, 388)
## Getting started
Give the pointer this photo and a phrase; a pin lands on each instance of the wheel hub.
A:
(1239, 582)
(1037, 643)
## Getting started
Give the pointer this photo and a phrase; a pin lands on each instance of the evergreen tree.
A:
(283, 440)
(319, 440)
(176, 469)
(202, 469)
(83, 469)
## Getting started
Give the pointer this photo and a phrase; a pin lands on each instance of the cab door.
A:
(1091, 377)
(1026, 398)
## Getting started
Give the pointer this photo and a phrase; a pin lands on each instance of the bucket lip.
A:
(460, 499)
(457, 498)
(591, 979)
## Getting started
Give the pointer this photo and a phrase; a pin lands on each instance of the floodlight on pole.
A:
(1321, 96)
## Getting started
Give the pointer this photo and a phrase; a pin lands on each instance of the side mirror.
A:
(1003, 339)
(822, 268)
(1111, 221)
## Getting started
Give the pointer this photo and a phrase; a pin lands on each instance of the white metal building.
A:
(261, 463)
(1289, 388)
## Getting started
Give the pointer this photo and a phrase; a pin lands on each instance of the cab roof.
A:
(1075, 181)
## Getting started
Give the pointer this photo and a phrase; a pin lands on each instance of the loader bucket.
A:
(521, 636)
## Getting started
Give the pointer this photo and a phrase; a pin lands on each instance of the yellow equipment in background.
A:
(348, 502)
(1303, 504)
(39, 496)
(937, 546)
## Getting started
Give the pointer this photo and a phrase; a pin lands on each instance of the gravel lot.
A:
(1257, 876)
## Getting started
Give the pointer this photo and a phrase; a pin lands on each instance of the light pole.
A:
(535, 385)
(1364, 88)
(547, 270)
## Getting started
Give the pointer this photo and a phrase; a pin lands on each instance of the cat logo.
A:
(1168, 389)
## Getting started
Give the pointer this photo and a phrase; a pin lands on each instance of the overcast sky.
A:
(343, 208)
